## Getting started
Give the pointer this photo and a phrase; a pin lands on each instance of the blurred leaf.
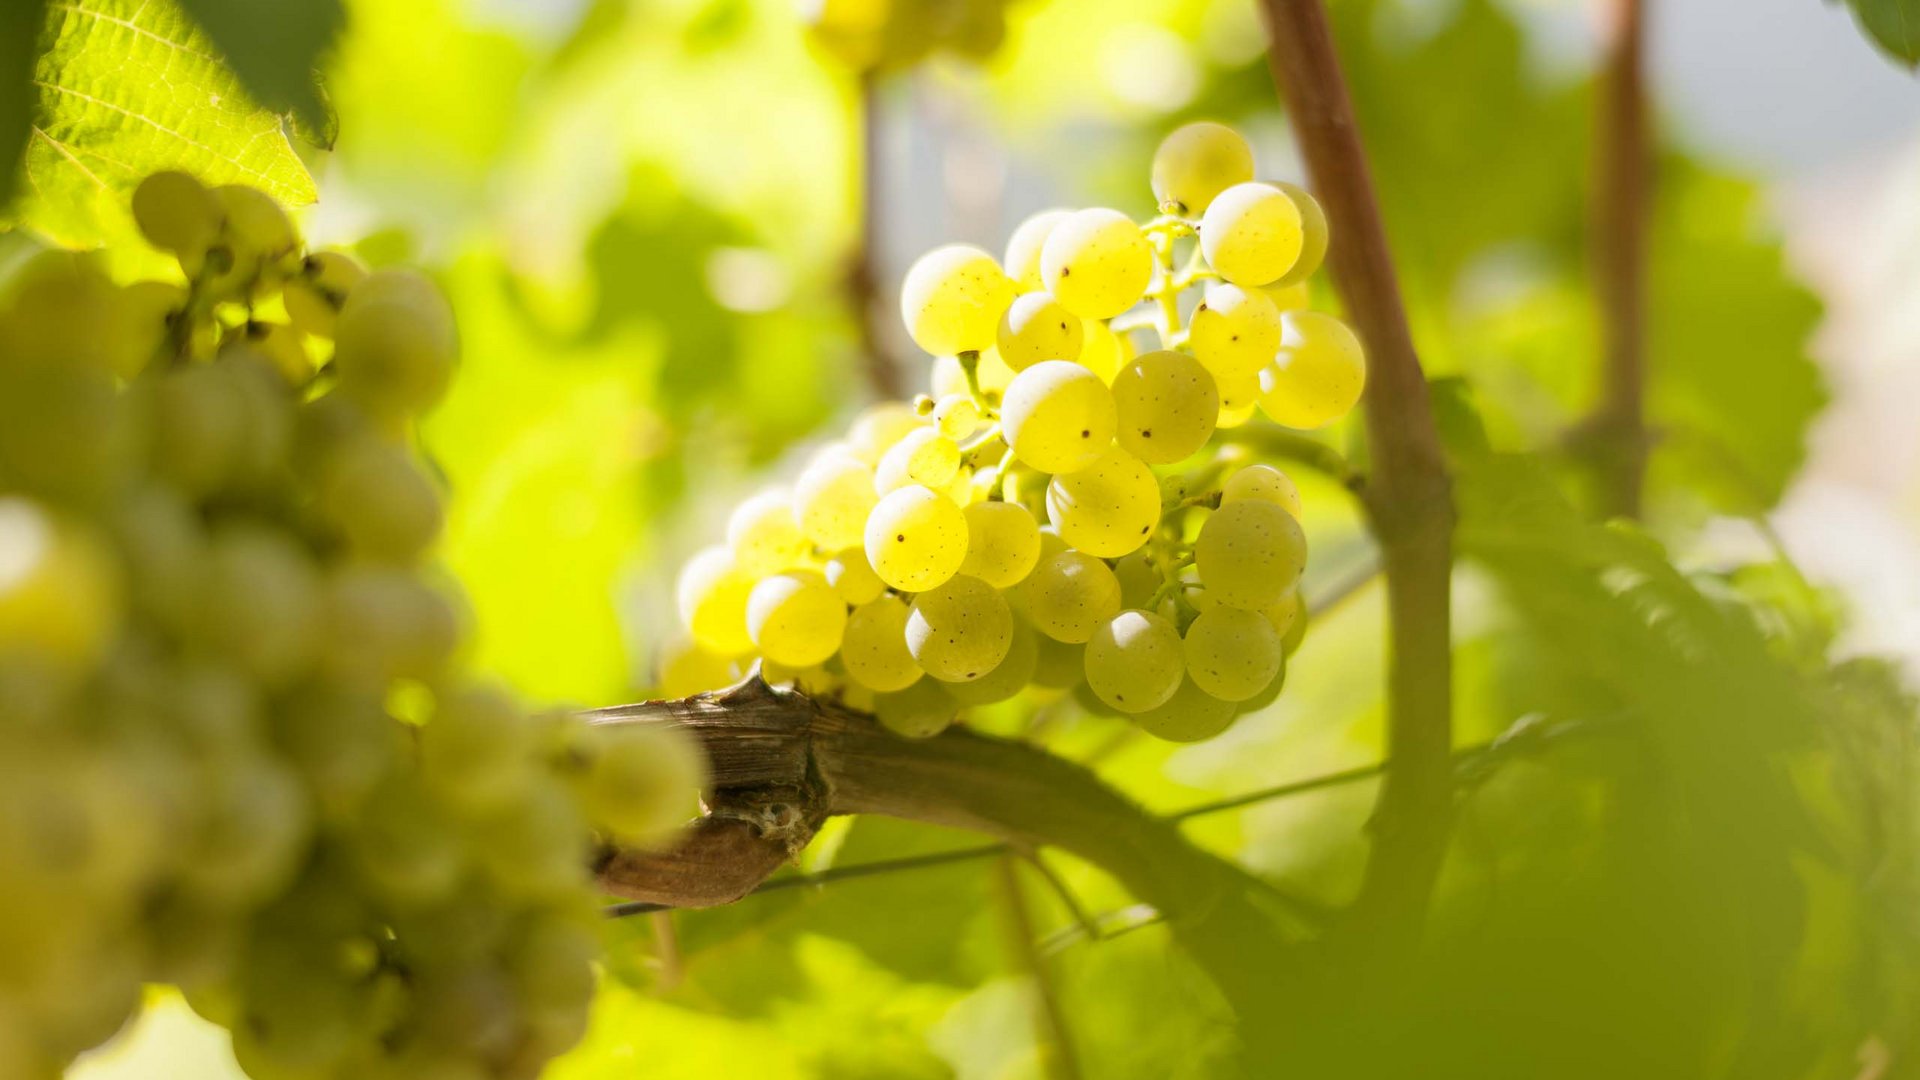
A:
(20, 25)
(127, 88)
(275, 48)
(1894, 25)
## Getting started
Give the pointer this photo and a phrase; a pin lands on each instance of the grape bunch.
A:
(1064, 512)
(237, 750)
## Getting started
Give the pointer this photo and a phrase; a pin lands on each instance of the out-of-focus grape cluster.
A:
(868, 35)
(236, 751)
(1062, 512)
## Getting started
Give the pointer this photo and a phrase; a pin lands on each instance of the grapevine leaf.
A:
(1894, 25)
(124, 88)
(19, 30)
(274, 48)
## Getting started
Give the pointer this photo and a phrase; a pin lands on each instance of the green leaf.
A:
(124, 88)
(274, 48)
(19, 30)
(1894, 25)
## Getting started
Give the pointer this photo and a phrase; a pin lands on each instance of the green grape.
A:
(1069, 595)
(952, 298)
(341, 743)
(1134, 661)
(877, 428)
(1097, 263)
(254, 225)
(1288, 617)
(1139, 579)
(712, 595)
(1190, 715)
(386, 507)
(1295, 297)
(923, 457)
(1196, 162)
(1235, 331)
(60, 592)
(921, 711)
(956, 416)
(642, 780)
(1167, 405)
(1249, 553)
(853, 578)
(275, 345)
(796, 618)
(245, 840)
(875, 650)
(65, 435)
(682, 668)
(1319, 373)
(1003, 543)
(1263, 483)
(1232, 653)
(1058, 665)
(259, 602)
(1037, 327)
(395, 346)
(176, 213)
(763, 534)
(1314, 237)
(314, 295)
(1105, 352)
(475, 750)
(1251, 234)
(1058, 417)
(1107, 509)
(832, 498)
(1238, 400)
(960, 630)
(1009, 677)
(1024, 247)
(383, 624)
(916, 538)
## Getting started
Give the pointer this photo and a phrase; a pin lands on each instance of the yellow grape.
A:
(921, 711)
(314, 295)
(1134, 661)
(1287, 298)
(952, 299)
(1104, 352)
(1097, 263)
(394, 344)
(1266, 484)
(853, 578)
(1069, 594)
(1003, 543)
(916, 538)
(1249, 553)
(960, 630)
(1058, 416)
(682, 668)
(1167, 406)
(1196, 162)
(956, 416)
(1009, 677)
(878, 427)
(1024, 247)
(796, 618)
(712, 594)
(641, 782)
(832, 498)
(874, 650)
(1251, 234)
(763, 534)
(1238, 400)
(1232, 653)
(923, 457)
(1107, 509)
(1314, 236)
(176, 213)
(1037, 327)
(1235, 331)
(1318, 375)
(59, 592)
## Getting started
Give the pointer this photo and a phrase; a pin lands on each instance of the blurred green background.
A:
(1702, 860)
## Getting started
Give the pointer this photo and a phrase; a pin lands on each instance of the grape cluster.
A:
(868, 35)
(237, 753)
(1009, 531)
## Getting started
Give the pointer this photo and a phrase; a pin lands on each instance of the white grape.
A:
(1249, 553)
(1134, 661)
(1251, 234)
(1058, 416)
(960, 630)
(1167, 405)
(916, 538)
(1107, 509)
(952, 299)
(1097, 263)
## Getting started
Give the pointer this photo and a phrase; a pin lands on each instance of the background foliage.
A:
(1696, 858)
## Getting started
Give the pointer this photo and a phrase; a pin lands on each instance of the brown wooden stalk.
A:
(1407, 494)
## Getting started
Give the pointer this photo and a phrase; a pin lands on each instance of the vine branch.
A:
(1407, 495)
(1617, 226)
(863, 277)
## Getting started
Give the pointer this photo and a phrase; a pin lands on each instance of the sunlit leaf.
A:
(1894, 25)
(275, 49)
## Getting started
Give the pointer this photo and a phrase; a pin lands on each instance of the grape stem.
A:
(1407, 498)
(970, 366)
(1268, 440)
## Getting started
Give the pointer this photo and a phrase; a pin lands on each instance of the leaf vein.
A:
(156, 125)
